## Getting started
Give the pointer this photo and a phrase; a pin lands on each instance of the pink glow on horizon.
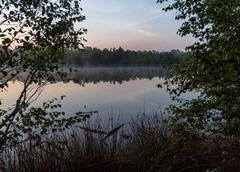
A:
(138, 44)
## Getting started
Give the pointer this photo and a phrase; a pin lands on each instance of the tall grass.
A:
(95, 146)
(144, 145)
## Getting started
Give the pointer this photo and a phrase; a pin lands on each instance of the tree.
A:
(212, 69)
(33, 37)
(213, 66)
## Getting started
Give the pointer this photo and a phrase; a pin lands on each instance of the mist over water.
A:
(121, 91)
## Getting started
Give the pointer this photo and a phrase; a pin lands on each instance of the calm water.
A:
(123, 91)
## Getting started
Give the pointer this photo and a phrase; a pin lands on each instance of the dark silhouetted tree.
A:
(212, 69)
(33, 38)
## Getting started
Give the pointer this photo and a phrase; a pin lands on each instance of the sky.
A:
(131, 24)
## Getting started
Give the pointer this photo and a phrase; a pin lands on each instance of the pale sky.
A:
(131, 24)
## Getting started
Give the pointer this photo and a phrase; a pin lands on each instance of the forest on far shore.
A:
(119, 56)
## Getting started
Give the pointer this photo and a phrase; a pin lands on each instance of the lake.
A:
(122, 91)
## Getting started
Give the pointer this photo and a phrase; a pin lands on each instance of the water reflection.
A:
(125, 91)
(114, 74)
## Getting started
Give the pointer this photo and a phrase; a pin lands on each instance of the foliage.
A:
(212, 70)
(33, 37)
(119, 56)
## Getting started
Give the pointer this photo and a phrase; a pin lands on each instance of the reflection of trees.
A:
(114, 74)
(110, 74)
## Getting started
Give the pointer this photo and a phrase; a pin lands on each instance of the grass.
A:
(143, 145)
(91, 147)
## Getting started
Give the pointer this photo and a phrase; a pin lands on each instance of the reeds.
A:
(92, 146)
(144, 144)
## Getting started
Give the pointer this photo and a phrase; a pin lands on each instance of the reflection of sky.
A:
(127, 98)
(132, 24)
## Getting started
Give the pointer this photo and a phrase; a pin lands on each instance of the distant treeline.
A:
(119, 56)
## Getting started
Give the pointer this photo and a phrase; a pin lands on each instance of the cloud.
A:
(133, 24)
(147, 33)
(134, 28)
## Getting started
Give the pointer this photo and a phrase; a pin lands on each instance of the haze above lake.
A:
(121, 91)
